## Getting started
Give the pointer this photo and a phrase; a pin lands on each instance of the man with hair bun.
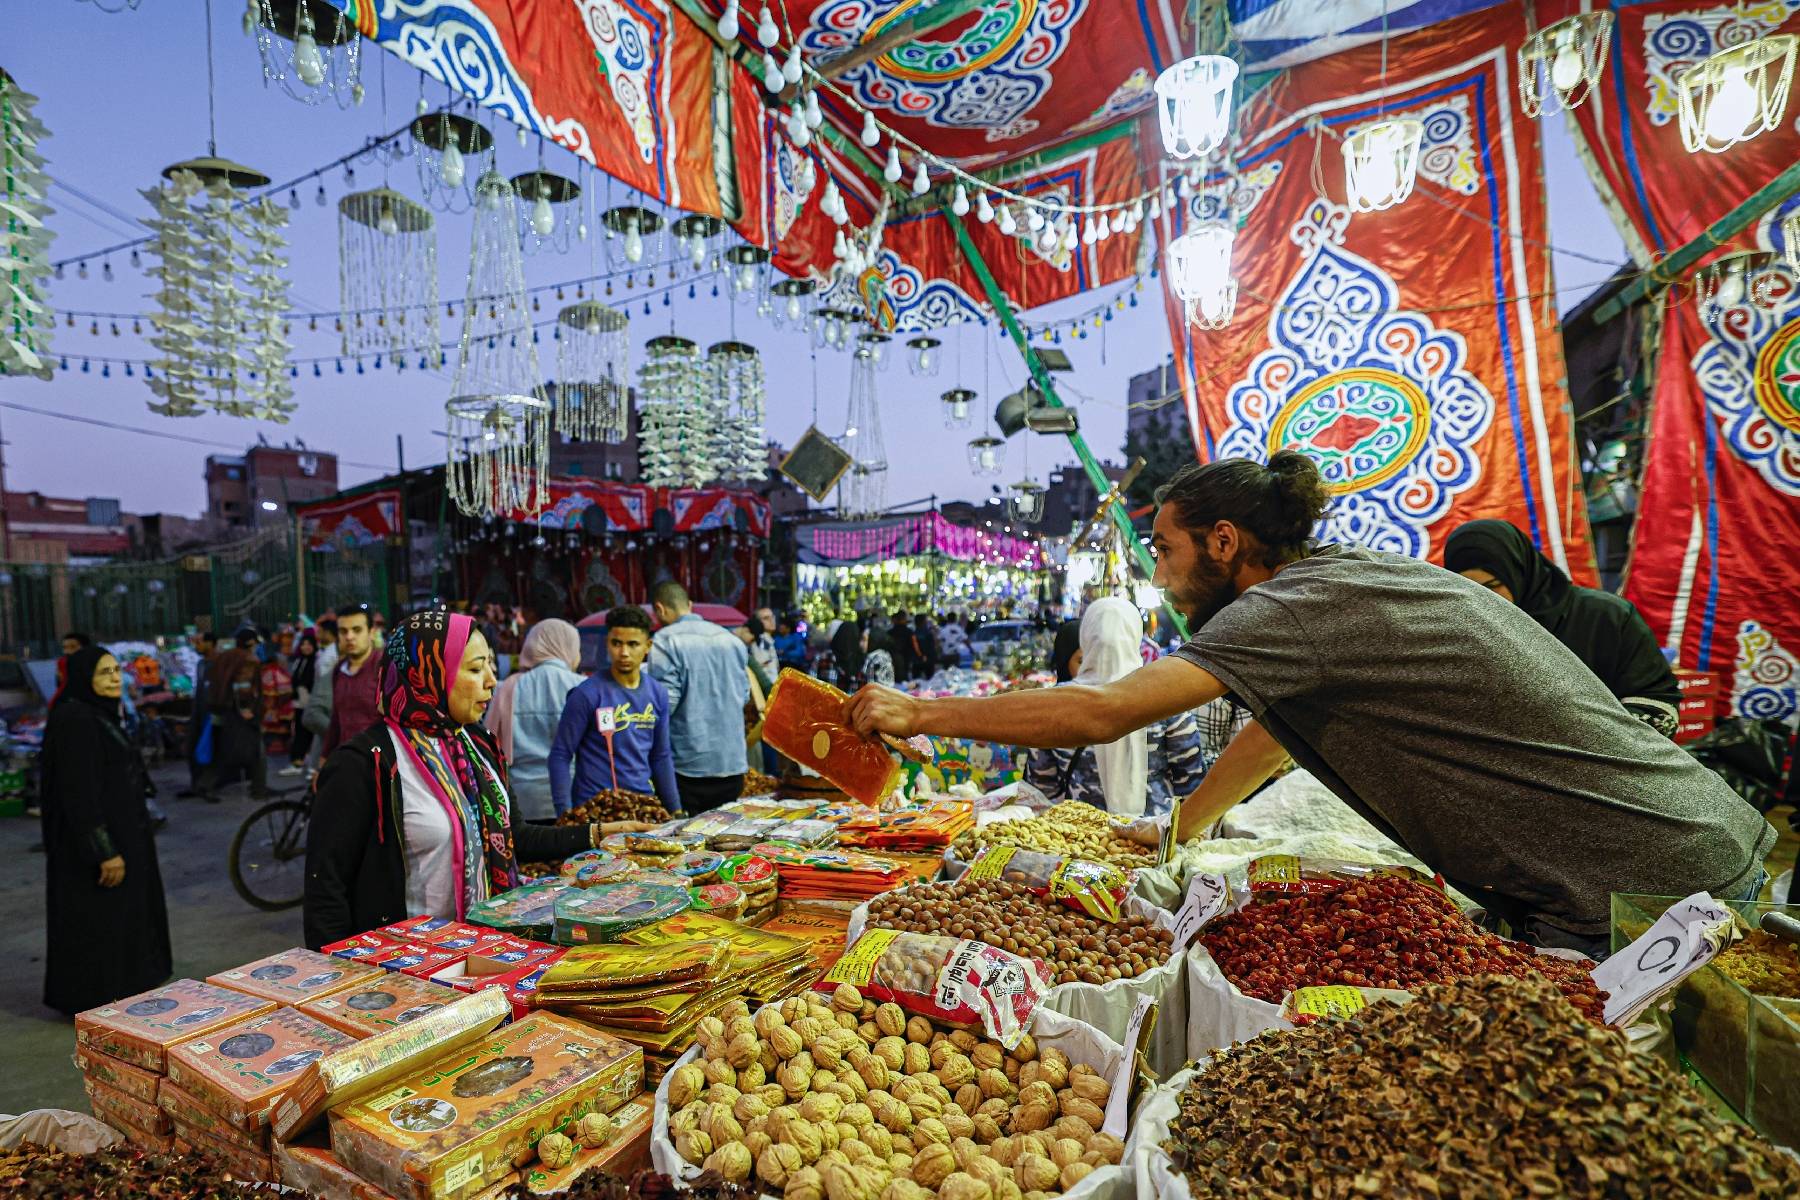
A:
(1443, 714)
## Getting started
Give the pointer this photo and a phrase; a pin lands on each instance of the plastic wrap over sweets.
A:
(948, 979)
(805, 721)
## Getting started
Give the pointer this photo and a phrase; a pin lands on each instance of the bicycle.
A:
(268, 853)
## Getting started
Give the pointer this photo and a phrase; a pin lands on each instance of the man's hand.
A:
(876, 709)
(112, 872)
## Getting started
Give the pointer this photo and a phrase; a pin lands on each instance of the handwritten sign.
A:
(1120, 1100)
(1685, 938)
(1206, 896)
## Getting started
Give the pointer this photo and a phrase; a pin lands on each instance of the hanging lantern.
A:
(443, 145)
(1563, 60)
(626, 228)
(310, 48)
(1193, 104)
(693, 234)
(1025, 501)
(1790, 242)
(987, 455)
(593, 397)
(1199, 266)
(1738, 93)
(387, 275)
(923, 357)
(863, 491)
(1753, 277)
(1381, 163)
(26, 320)
(746, 264)
(675, 438)
(835, 328)
(791, 309)
(546, 210)
(958, 408)
(498, 419)
(737, 417)
(874, 345)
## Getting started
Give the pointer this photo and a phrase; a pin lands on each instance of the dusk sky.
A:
(124, 95)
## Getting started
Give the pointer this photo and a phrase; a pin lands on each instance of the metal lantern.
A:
(1193, 104)
(1199, 266)
(1738, 93)
(922, 359)
(1563, 61)
(308, 47)
(746, 267)
(546, 210)
(675, 435)
(443, 145)
(958, 408)
(1381, 163)
(737, 399)
(834, 328)
(694, 234)
(790, 294)
(987, 455)
(626, 228)
(388, 276)
(593, 394)
(1025, 501)
(863, 491)
(26, 320)
(498, 418)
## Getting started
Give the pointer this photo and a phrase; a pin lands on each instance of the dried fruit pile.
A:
(1762, 963)
(1072, 829)
(1383, 931)
(856, 1101)
(1082, 949)
(121, 1174)
(1492, 1087)
(615, 804)
(758, 784)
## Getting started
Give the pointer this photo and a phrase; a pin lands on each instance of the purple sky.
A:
(124, 95)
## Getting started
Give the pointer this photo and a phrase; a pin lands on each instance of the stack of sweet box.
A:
(466, 958)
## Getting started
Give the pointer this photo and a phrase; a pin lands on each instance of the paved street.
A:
(211, 927)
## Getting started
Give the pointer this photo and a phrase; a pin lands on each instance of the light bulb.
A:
(984, 209)
(921, 180)
(1733, 107)
(697, 253)
(1047, 239)
(309, 64)
(1008, 226)
(766, 33)
(839, 247)
(386, 222)
(891, 172)
(925, 359)
(634, 243)
(793, 308)
(543, 217)
(294, 199)
(746, 277)
(1069, 236)
(771, 71)
(959, 204)
(987, 459)
(814, 118)
(593, 325)
(790, 70)
(728, 21)
(870, 133)
(1565, 68)
(1090, 233)
(1034, 220)
(450, 166)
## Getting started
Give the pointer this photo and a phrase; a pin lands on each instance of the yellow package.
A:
(599, 968)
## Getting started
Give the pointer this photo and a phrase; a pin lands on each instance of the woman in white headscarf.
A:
(1142, 771)
(527, 706)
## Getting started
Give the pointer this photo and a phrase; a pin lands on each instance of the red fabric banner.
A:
(367, 519)
(632, 507)
(1412, 351)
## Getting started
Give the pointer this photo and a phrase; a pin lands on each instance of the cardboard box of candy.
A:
(441, 932)
(241, 1072)
(391, 1000)
(117, 1074)
(294, 976)
(421, 960)
(123, 1112)
(314, 1169)
(256, 1166)
(360, 946)
(185, 1108)
(140, 1029)
(459, 1126)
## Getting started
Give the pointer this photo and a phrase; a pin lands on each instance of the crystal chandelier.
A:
(744, 266)
(863, 491)
(674, 435)
(737, 399)
(922, 356)
(834, 328)
(1564, 60)
(1193, 104)
(1738, 93)
(498, 419)
(546, 210)
(388, 276)
(26, 320)
(593, 399)
(874, 345)
(1752, 277)
(790, 308)
(309, 48)
(1199, 265)
(626, 229)
(1381, 163)
(443, 144)
(693, 236)
(957, 410)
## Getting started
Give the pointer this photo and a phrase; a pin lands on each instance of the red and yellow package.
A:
(959, 982)
(805, 721)
(243, 1071)
(380, 1004)
(362, 945)
(1097, 889)
(294, 976)
(140, 1029)
(252, 1166)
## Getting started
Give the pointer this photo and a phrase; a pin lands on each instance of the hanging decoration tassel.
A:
(388, 275)
(737, 396)
(676, 438)
(592, 393)
(26, 320)
(863, 492)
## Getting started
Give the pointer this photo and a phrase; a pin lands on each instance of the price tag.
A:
(1684, 939)
(605, 720)
(1206, 897)
(1165, 853)
(1331, 1000)
(990, 863)
(1120, 1100)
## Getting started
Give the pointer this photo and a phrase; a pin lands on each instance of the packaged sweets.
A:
(1097, 889)
(376, 1061)
(625, 1148)
(186, 1109)
(805, 721)
(293, 976)
(744, 833)
(804, 833)
(380, 1004)
(658, 877)
(720, 899)
(698, 866)
(571, 866)
(440, 932)
(945, 979)
(253, 1166)
(360, 946)
(614, 870)
(316, 1170)
(653, 845)
(606, 913)
(754, 876)
(528, 911)
(117, 1074)
(456, 1127)
(124, 1112)
(140, 1029)
(421, 960)
(240, 1072)
(614, 968)
(709, 824)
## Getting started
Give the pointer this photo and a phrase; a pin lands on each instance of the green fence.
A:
(255, 580)
(345, 575)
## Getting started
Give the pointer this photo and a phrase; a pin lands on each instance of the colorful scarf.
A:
(417, 673)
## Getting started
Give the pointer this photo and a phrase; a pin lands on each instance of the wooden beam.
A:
(916, 24)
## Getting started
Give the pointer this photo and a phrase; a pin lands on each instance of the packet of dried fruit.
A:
(957, 981)
(1096, 889)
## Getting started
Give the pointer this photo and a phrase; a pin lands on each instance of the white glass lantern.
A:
(957, 408)
(1381, 163)
(1736, 94)
(1193, 104)
(987, 455)
(1025, 501)
(1199, 265)
(1790, 241)
(922, 357)
(1563, 60)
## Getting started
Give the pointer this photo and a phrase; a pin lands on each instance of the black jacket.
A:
(355, 852)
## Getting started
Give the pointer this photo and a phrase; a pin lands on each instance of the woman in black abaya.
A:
(108, 927)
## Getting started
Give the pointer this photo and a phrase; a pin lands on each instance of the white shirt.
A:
(431, 866)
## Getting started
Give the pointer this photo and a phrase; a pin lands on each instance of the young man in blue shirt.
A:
(615, 726)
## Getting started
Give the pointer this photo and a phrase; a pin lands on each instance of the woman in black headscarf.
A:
(107, 925)
(847, 653)
(1065, 649)
(1605, 631)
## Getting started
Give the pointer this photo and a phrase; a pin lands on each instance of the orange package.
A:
(185, 1108)
(314, 1169)
(295, 976)
(254, 1166)
(805, 721)
(117, 1074)
(124, 1113)
(380, 1004)
(140, 1029)
(243, 1071)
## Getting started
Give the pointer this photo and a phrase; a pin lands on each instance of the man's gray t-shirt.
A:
(1482, 744)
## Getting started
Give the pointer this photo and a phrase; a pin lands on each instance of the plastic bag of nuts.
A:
(960, 981)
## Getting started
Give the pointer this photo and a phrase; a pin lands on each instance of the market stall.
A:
(916, 563)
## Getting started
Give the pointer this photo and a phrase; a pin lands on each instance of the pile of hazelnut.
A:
(845, 1099)
(1072, 829)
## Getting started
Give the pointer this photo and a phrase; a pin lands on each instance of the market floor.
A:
(211, 927)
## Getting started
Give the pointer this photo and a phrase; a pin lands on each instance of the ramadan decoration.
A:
(221, 301)
(26, 320)
(863, 491)
(1199, 266)
(1738, 93)
(593, 395)
(388, 276)
(1563, 62)
(309, 48)
(1381, 163)
(737, 396)
(675, 434)
(498, 419)
(547, 212)
(443, 144)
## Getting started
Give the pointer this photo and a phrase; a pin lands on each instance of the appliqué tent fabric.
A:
(366, 519)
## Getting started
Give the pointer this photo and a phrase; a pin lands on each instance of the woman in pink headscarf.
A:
(527, 706)
(415, 817)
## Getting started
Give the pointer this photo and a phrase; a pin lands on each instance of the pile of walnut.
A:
(850, 1100)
